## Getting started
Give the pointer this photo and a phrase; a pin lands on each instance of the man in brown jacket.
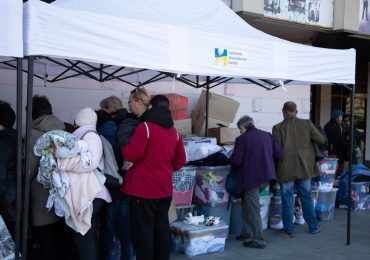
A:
(297, 166)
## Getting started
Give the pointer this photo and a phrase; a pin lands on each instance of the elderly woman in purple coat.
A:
(253, 157)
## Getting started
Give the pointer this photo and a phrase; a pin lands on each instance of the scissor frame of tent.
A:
(145, 41)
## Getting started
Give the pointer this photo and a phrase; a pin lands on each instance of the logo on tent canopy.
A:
(221, 56)
(225, 57)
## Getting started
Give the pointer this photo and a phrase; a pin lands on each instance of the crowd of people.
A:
(148, 149)
(288, 156)
(100, 213)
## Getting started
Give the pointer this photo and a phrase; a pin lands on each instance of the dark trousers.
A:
(150, 230)
(115, 222)
(251, 216)
(87, 245)
(52, 240)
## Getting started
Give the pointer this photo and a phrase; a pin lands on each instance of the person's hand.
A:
(326, 153)
(126, 165)
(53, 149)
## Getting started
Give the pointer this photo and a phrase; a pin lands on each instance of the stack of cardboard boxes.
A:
(221, 112)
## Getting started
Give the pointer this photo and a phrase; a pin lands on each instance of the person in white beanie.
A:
(86, 185)
(86, 116)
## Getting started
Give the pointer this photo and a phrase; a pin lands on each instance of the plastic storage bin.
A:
(360, 196)
(183, 211)
(183, 185)
(264, 210)
(198, 239)
(361, 189)
(314, 195)
(236, 219)
(325, 205)
(210, 185)
(327, 169)
(219, 210)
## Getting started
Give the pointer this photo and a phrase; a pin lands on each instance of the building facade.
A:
(339, 24)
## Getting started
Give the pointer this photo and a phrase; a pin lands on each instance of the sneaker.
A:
(299, 221)
(254, 244)
(318, 230)
(282, 233)
(241, 237)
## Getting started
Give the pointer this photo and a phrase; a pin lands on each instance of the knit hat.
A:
(7, 116)
(336, 113)
(86, 116)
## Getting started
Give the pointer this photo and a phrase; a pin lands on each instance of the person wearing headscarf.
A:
(337, 133)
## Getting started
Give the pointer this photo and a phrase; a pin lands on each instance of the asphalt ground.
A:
(330, 243)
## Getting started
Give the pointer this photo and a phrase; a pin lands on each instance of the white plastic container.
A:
(198, 239)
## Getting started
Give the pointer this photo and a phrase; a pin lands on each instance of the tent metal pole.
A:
(101, 73)
(19, 157)
(28, 151)
(207, 107)
(351, 139)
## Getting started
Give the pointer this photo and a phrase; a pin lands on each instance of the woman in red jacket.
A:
(155, 151)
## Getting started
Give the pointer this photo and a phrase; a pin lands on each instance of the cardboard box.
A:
(220, 107)
(178, 106)
(183, 126)
(198, 122)
(224, 135)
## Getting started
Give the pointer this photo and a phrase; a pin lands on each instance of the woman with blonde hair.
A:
(138, 103)
(116, 215)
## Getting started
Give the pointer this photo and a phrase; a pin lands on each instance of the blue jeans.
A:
(116, 222)
(303, 188)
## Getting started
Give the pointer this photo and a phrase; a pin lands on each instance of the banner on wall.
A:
(313, 12)
(364, 17)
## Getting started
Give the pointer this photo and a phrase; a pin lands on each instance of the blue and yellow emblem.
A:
(221, 56)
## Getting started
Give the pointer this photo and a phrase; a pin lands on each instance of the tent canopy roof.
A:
(190, 37)
(11, 34)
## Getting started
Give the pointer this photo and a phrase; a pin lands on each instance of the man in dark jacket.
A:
(253, 157)
(8, 166)
(297, 166)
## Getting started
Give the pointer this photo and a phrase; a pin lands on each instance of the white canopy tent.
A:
(190, 37)
(11, 46)
(173, 37)
(11, 28)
